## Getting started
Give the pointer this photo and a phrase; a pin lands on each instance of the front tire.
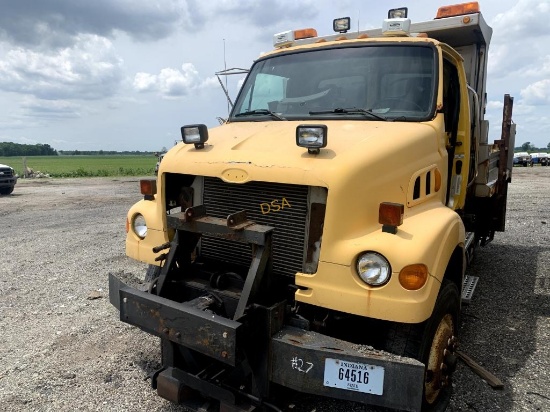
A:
(433, 343)
(438, 346)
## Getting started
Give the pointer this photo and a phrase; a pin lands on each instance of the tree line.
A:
(528, 147)
(17, 149)
(9, 149)
(102, 153)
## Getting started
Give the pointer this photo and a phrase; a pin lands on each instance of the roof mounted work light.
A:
(397, 23)
(400, 13)
(341, 25)
(196, 134)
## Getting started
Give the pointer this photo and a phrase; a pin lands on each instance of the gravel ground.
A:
(62, 346)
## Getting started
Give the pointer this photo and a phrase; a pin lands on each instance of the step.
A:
(468, 287)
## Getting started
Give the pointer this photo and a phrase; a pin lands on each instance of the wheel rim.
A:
(441, 360)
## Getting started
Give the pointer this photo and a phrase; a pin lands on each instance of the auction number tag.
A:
(353, 376)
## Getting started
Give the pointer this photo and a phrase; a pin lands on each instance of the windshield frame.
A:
(340, 114)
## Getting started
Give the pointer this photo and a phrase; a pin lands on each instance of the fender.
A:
(142, 249)
(436, 232)
(429, 237)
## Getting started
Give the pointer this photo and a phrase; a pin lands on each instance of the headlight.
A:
(373, 269)
(139, 226)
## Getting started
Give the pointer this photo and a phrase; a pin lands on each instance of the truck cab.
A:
(318, 239)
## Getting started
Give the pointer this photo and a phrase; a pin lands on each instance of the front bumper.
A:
(275, 352)
(7, 181)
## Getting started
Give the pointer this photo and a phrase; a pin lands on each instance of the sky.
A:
(127, 74)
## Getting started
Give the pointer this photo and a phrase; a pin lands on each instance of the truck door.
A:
(457, 128)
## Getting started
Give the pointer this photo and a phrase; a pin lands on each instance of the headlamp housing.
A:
(139, 226)
(373, 269)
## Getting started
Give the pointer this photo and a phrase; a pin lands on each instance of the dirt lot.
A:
(62, 346)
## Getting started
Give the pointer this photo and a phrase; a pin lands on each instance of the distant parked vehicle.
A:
(157, 166)
(544, 159)
(8, 179)
(535, 157)
(523, 159)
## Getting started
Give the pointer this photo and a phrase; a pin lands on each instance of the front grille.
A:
(289, 222)
(5, 172)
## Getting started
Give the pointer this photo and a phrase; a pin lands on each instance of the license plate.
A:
(353, 376)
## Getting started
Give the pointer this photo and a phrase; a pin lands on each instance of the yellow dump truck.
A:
(317, 241)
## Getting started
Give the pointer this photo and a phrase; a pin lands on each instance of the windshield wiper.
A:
(263, 112)
(353, 110)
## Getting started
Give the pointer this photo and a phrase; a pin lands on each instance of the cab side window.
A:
(451, 100)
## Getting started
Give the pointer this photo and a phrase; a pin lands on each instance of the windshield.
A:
(393, 82)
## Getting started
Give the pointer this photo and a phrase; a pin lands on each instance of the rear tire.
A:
(433, 343)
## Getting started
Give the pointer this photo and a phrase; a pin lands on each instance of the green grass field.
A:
(85, 166)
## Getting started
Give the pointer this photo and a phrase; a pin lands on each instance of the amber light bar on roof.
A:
(457, 10)
(287, 38)
(305, 33)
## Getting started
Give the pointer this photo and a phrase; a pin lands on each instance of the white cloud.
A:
(170, 83)
(63, 59)
(259, 13)
(51, 109)
(541, 70)
(527, 19)
(537, 93)
(145, 82)
(88, 70)
(519, 45)
(57, 23)
(26, 140)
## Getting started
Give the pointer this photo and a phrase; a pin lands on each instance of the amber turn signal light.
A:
(148, 188)
(413, 277)
(390, 215)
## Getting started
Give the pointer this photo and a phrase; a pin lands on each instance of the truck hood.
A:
(267, 151)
